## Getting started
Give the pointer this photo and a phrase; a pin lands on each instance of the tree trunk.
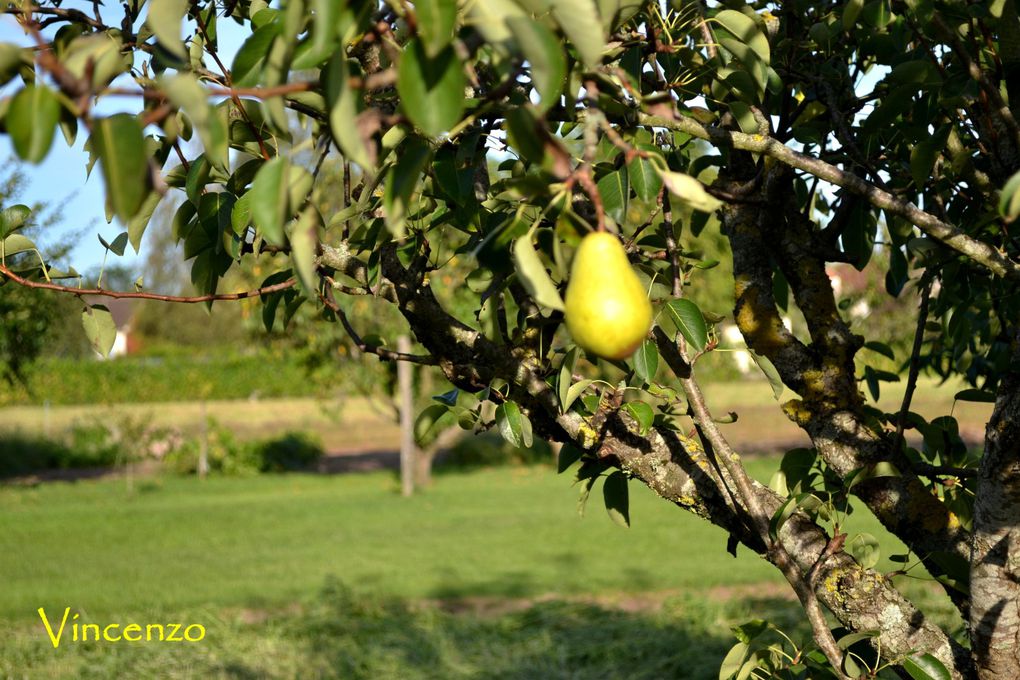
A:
(405, 387)
(995, 561)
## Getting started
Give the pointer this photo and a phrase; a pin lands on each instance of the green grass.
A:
(487, 574)
(270, 540)
(344, 635)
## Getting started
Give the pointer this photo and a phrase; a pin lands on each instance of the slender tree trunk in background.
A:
(423, 467)
(405, 387)
(427, 456)
(995, 562)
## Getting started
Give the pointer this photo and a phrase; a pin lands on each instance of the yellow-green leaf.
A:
(32, 121)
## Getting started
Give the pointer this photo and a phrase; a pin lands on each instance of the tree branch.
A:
(185, 299)
(975, 249)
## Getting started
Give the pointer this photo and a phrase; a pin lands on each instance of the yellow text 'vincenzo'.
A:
(116, 632)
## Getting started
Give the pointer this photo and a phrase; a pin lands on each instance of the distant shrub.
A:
(224, 453)
(173, 377)
(292, 451)
(22, 453)
(94, 445)
(491, 450)
(228, 456)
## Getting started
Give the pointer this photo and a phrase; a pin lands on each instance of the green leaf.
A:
(164, 20)
(614, 189)
(400, 185)
(642, 413)
(326, 15)
(733, 661)
(137, 224)
(865, 549)
(533, 275)
(617, 498)
(198, 177)
(580, 21)
(304, 238)
(16, 243)
(270, 198)
(514, 425)
(926, 667)
(924, 154)
(851, 11)
(746, 30)
(568, 455)
(31, 121)
(575, 391)
(644, 178)
(749, 630)
(544, 53)
(13, 218)
(431, 88)
(1009, 200)
(881, 348)
(566, 376)
(187, 93)
(345, 104)
(427, 424)
(100, 329)
(690, 322)
(247, 65)
(807, 501)
(745, 117)
(117, 245)
(769, 369)
(898, 273)
(917, 72)
(120, 145)
(690, 191)
(646, 361)
(436, 21)
(981, 396)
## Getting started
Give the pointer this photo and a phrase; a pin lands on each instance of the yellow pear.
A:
(607, 309)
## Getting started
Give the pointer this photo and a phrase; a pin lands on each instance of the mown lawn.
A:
(487, 574)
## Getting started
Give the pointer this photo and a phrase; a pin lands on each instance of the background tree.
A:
(33, 324)
(814, 132)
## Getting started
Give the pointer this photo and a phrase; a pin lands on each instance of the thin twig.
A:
(915, 364)
(381, 352)
(186, 299)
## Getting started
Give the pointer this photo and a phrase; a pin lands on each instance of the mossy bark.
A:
(995, 563)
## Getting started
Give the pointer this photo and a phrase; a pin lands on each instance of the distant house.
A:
(123, 312)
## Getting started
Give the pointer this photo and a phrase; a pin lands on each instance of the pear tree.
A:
(536, 149)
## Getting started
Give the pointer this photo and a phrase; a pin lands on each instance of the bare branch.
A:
(184, 299)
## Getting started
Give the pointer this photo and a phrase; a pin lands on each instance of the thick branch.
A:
(823, 374)
(995, 565)
(979, 251)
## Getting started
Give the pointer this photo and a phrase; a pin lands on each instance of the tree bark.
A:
(995, 561)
